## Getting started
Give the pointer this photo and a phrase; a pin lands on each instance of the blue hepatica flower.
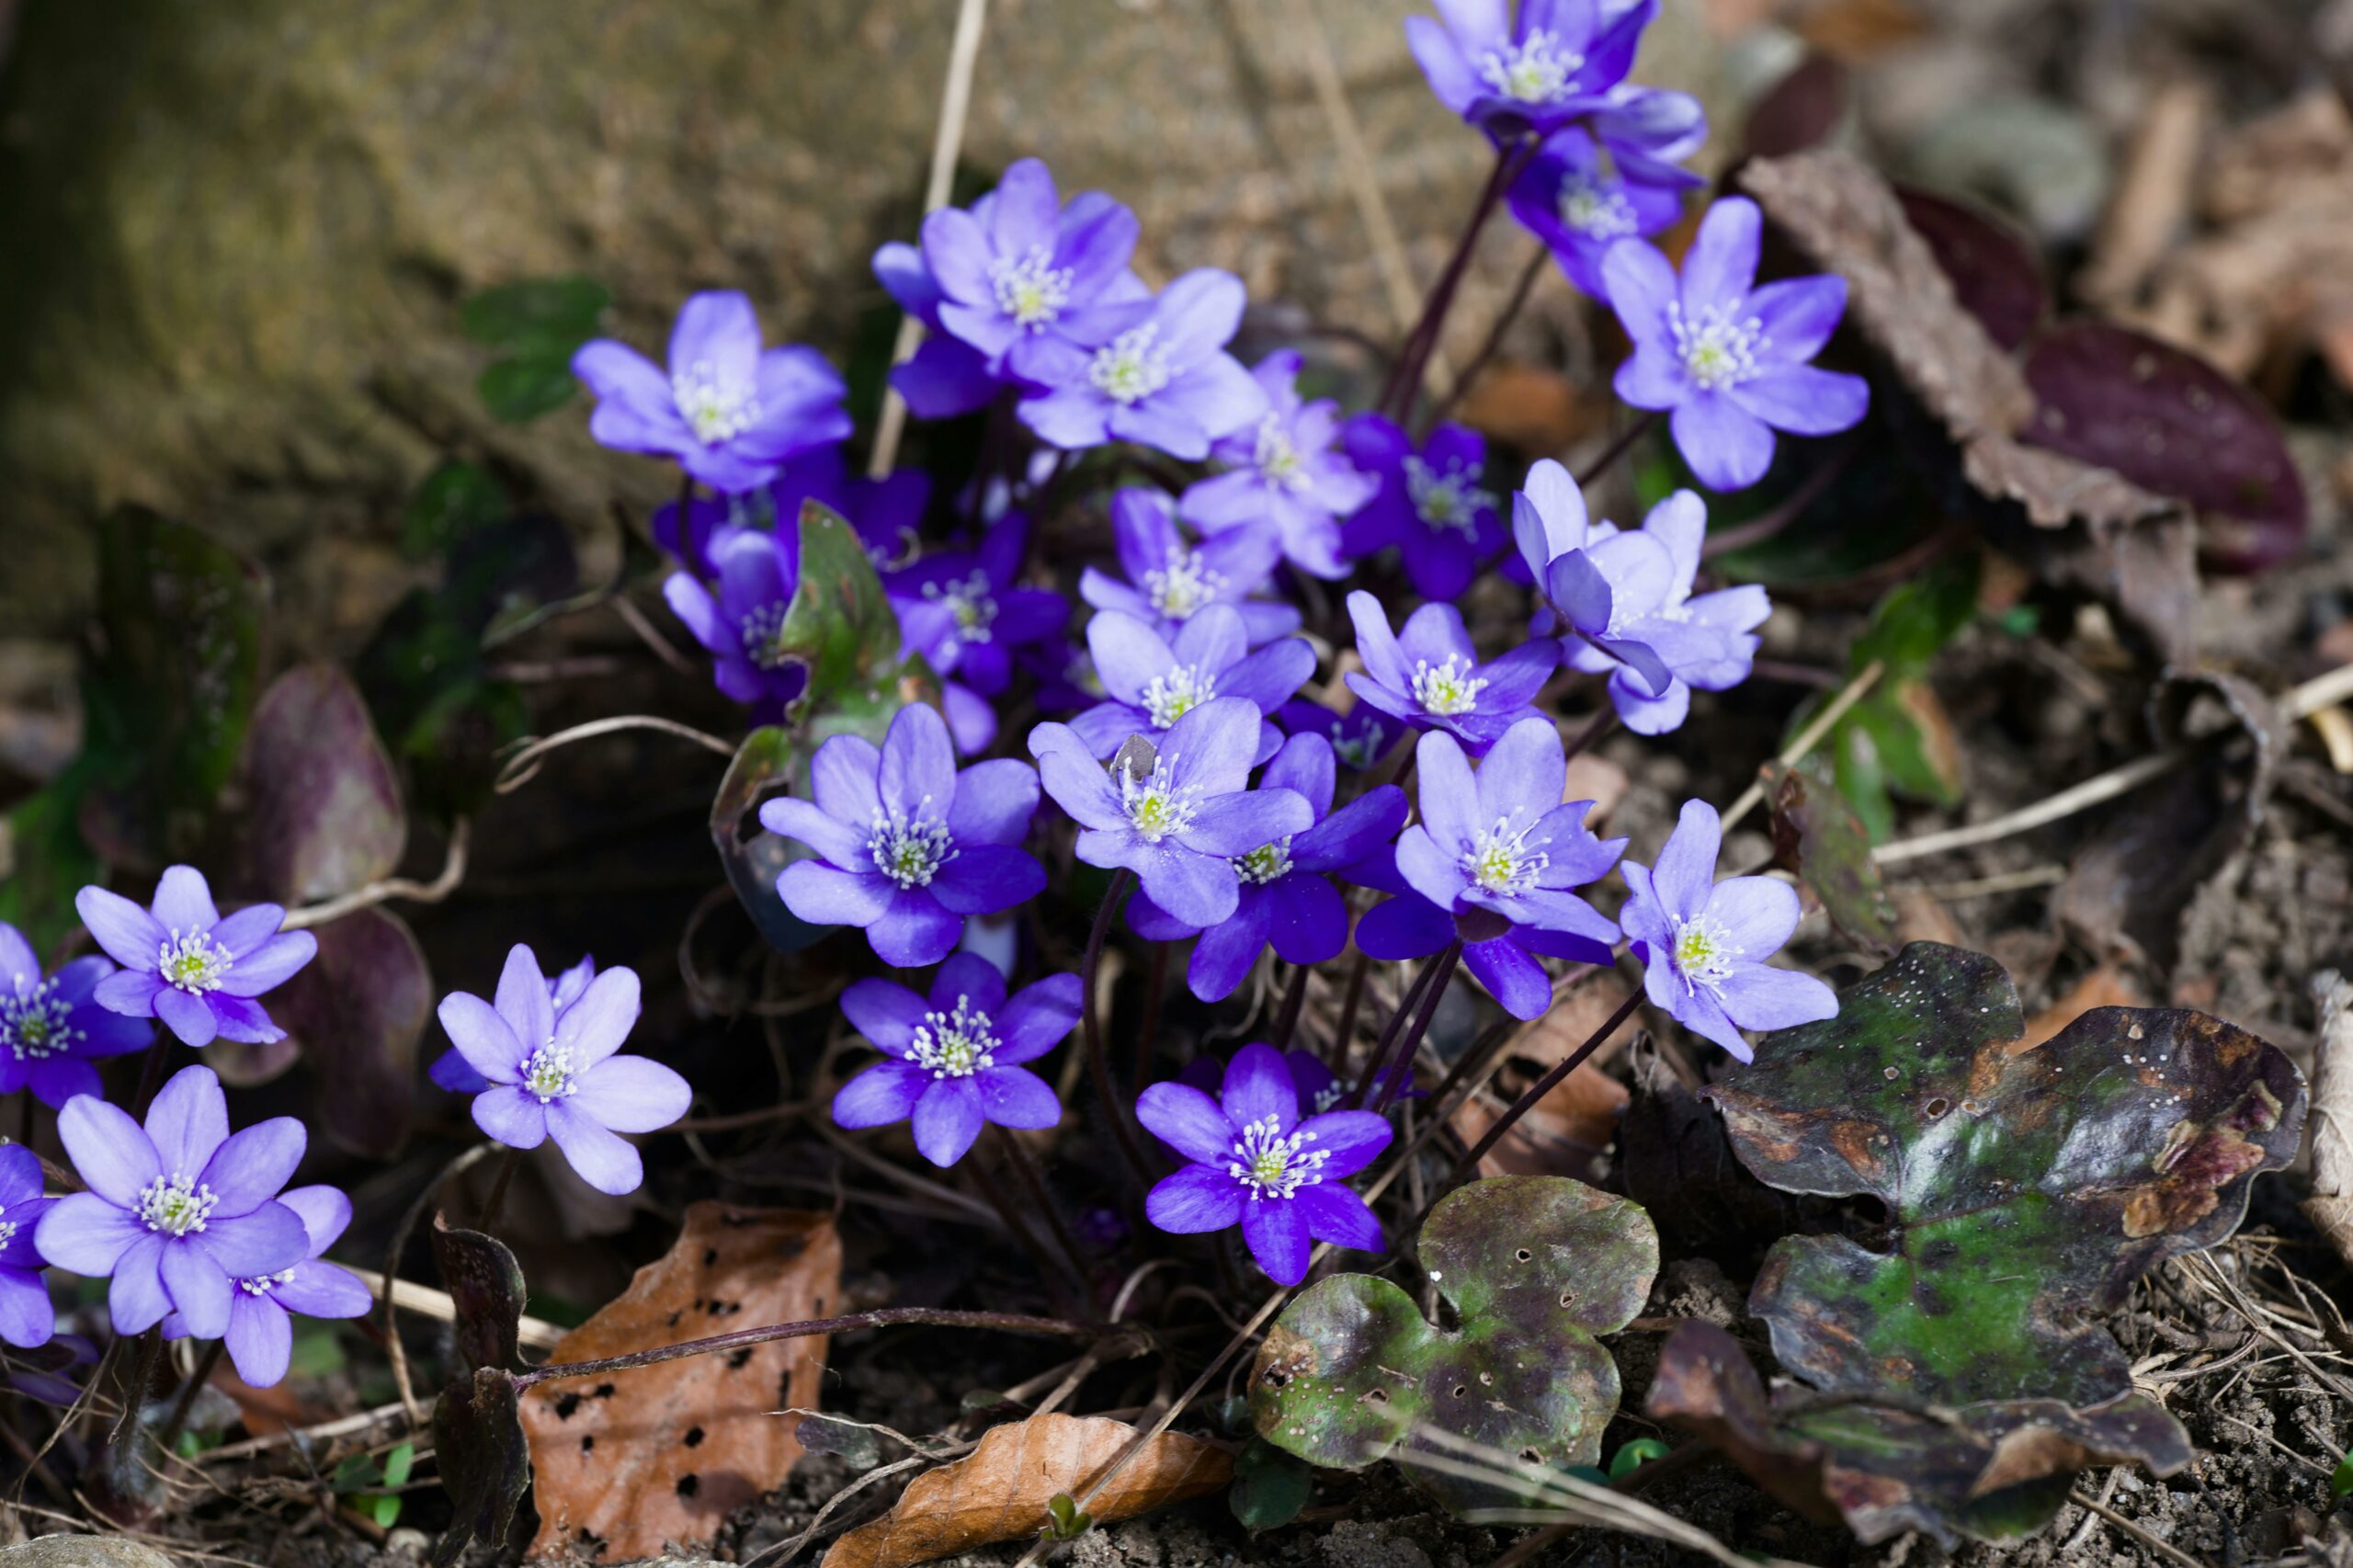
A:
(732, 413)
(965, 612)
(1580, 201)
(1703, 943)
(452, 1072)
(1288, 900)
(1557, 60)
(1180, 824)
(1726, 357)
(1493, 864)
(28, 1318)
(1253, 1161)
(260, 1336)
(53, 1028)
(1715, 662)
(1360, 737)
(1283, 475)
(1432, 504)
(1429, 678)
(1152, 682)
(1156, 373)
(186, 963)
(742, 626)
(1171, 579)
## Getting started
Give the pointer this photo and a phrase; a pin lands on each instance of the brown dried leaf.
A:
(1566, 1131)
(634, 1461)
(1001, 1490)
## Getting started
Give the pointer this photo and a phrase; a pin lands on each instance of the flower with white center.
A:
(1267, 1164)
(1266, 863)
(1719, 347)
(1704, 953)
(1170, 696)
(763, 634)
(954, 1044)
(910, 847)
(1448, 689)
(1595, 209)
(971, 605)
(37, 1023)
(1278, 458)
(717, 406)
(547, 1073)
(1502, 859)
(1536, 69)
(1183, 586)
(1449, 499)
(1158, 806)
(192, 962)
(175, 1205)
(1029, 288)
(1131, 367)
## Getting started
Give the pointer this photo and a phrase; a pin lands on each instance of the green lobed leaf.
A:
(546, 314)
(1912, 624)
(521, 389)
(1532, 1269)
(840, 624)
(1269, 1486)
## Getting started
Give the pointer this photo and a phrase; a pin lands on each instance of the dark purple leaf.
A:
(358, 1011)
(1800, 110)
(325, 808)
(1993, 270)
(485, 1464)
(486, 1284)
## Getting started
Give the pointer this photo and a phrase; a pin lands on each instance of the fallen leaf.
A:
(630, 1463)
(1818, 838)
(1566, 1131)
(1997, 276)
(1531, 409)
(2105, 986)
(1005, 1489)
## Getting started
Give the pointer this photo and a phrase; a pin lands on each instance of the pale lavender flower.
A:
(1559, 60)
(184, 963)
(26, 1317)
(1580, 201)
(260, 1336)
(455, 1074)
(1158, 374)
(1430, 676)
(1171, 578)
(1714, 662)
(1152, 682)
(1283, 475)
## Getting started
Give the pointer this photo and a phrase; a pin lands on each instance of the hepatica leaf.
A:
(325, 808)
(753, 856)
(1532, 1269)
(840, 624)
(1818, 836)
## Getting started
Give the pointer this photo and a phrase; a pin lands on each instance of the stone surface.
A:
(82, 1551)
(242, 232)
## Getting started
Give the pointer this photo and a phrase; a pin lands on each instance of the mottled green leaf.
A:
(1269, 1486)
(840, 624)
(1818, 836)
(1994, 1471)
(1531, 1268)
(324, 810)
(455, 500)
(2025, 1189)
(485, 1464)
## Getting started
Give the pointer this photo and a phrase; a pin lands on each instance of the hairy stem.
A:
(1287, 1016)
(499, 1185)
(1344, 1032)
(169, 1438)
(1617, 448)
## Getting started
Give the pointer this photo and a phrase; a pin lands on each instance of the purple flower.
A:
(51, 1029)
(1252, 1162)
(1154, 681)
(742, 629)
(176, 1210)
(1287, 899)
(947, 376)
(954, 1059)
(1320, 1088)
(1158, 374)
(1180, 825)
(1580, 201)
(1282, 475)
(1673, 627)
(554, 1075)
(1559, 61)
(1492, 864)
(960, 610)
(261, 1335)
(1430, 506)
(887, 513)
(1727, 357)
(1360, 737)
(27, 1318)
(184, 963)
(1595, 581)
(732, 413)
(1020, 276)
(1430, 676)
(1703, 943)
(908, 845)
(1170, 580)
(455, 1074)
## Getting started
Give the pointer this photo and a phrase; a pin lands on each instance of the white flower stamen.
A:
(954, 1045)
(1719, 349)
(175, 1205)
(1174, 693)
(549, 1075)
(716, 406)
(192, 962)
(1158, 806)
(969, 605)
(1272, 1166)
(7, 1231)
(1535, 69)
(1593, 209)
(35, 1022)
(1031, 287)
(1265, 863)
(263, 1284)
(1279, 461)
(1451, 500)
(910, 847)
(1448, 689)
(1184, 585)
(1703, 954)
(1501, 859)
(1133, 367)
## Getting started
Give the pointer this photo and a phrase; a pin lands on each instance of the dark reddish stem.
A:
(1487, 350)
(1343, 1033)
(1286, 1016)
(1593, 734)
(1617, 448)
(1544, 1085)
(499, 1185)
(1001, 1323)
(1098, 1064)
(1435, 994)
(1770, 523)
(1438, 970)
(1405, 375)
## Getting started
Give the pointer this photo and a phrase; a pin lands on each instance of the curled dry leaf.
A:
(358, 1011)
(640, 1460)
(1005, 1489)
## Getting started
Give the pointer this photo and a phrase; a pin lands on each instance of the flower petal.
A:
(1758, 996)
(603, 1160)
(1727, 447)
(1015, 1096)
(1349, 1138)
(260, 1339)
(948, 1117)
(269, 964)
(1196, 1199)
(324, 1212)
(1188, 1121)
(250, 1167)
(512, 1117)
(483, 1037)
(186, 1016)
(918, 769)
(985, 877)
(632, 1094)
(85, 1233)
(593, 1028)
(1259, 1087)
(198, 1287)
(28, 1318)
(136, 1300)
(995, 801)
(1277, 1233)
(915, 931)
(183, 901)
(131, 936)
(885, 1012)
(1686, 870)
(883, 1094)
(1038, 1019)
(189, 1121)
(323, 1291)
(524, 1000)
(1338, 1215)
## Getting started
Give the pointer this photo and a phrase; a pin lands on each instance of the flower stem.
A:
(1617, 448)
(1439, 969)
(1155, 982)
(1487, 350)
(1769, 524)
(1603, 723)
(1343, 1033)
(1098, 1065)
(1286, 1016)
(135, 1386)
(151, 1073)
(1404, 1072)
(499, 1185)
(169, 1438)
(1033, 1182)
(1002, 1323)
(1413, 360)
(977, 1174)
(1542, 1087)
